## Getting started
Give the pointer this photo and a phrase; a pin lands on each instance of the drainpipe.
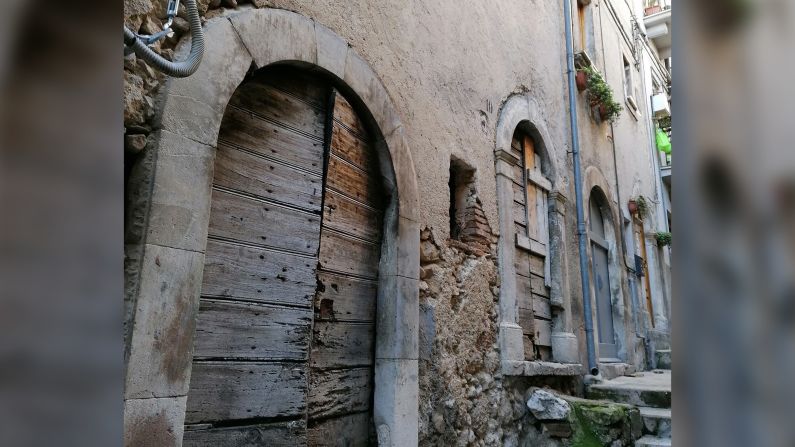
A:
(581, 233)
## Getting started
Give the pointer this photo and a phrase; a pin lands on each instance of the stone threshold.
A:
(538, 368)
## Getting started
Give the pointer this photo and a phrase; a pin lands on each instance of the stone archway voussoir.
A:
(193, 106)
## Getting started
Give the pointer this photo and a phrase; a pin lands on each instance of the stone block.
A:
(180, 209)
(332, 51)
(511, 343)
(513, 112)
(224, 65)
(154, 422)
(397, 323)
(396, 401)
(565, 348)
(405, 175)
(161, 344)
(538, 368)
(274, 35)
(408, 248)
(191, 119)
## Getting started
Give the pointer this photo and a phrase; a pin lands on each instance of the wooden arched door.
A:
(284, 346)
(600, 250)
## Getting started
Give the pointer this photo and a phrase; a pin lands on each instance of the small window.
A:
(462, 191)
(629, 87)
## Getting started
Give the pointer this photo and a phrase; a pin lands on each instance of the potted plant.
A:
(632, 206)
(582, 78)
(600, 96)
(663, 238)
(638, 205)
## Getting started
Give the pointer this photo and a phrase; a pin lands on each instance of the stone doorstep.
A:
(651, 441)
(536, 369)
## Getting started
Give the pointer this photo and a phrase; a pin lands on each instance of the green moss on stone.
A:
(592, 421)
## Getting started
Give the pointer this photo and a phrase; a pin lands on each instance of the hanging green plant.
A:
(639, 205)
(663, 238)
(600, 95)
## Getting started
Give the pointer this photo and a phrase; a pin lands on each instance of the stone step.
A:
(656, 421)
(663, 358)
(610, 371)
(651, 441)
(646, 389)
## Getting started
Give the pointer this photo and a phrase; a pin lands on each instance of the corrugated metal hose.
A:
(178, 69)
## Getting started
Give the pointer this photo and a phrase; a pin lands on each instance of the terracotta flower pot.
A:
(602, 112)
(582, 81)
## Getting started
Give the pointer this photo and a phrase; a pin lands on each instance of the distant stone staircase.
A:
(650, 391)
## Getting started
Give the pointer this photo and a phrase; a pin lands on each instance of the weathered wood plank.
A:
(543, 331)
(279, 106)
(525, 263)
(341, 297)
(339, 391)
(243, 128)
(251, 174)
(541, 307)
(523, 288)
(236, 271)
(309, 87)
(253, 221)
(233, 390)
(537, 285)
(340, 344)
(526, 321)
(353, 149)
(277, 434)
(518, 194)
(344, 254)
(260, 331)
(516, 148)
(344, 113)
(349, 217)
(353, 182)
(519, 229)
(518, 174)
(529, 348)
(352, 430)
(519, 216)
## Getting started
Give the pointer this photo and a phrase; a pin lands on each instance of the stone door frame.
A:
(594, 179)
(522, 111)
(169, 212)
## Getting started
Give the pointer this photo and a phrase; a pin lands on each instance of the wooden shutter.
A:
(530, 214)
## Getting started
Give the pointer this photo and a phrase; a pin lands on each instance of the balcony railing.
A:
(655, 6)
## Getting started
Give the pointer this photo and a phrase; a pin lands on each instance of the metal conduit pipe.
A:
(179, 69)
(593, 367)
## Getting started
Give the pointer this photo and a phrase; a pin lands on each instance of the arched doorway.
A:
(285, 336)
(172, 209)
(601, 237)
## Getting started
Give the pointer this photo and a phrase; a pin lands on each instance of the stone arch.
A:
(595, 182)
(175, 232)
(520, 111)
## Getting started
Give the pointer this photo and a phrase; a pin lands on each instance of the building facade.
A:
(356, 222)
